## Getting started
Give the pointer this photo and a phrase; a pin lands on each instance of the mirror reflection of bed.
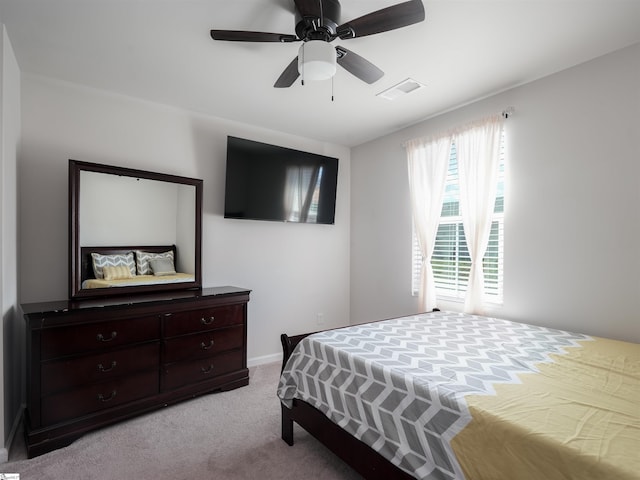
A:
(113, 267)
(124, 218)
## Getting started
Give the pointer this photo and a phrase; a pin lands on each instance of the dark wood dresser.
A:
(91, 363)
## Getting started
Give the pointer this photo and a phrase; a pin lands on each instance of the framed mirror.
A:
(132, 231)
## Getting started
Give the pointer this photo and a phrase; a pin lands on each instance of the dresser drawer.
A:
(199, 345)
(72, 372)
(202, 320)
(58, 342)
(100, 396)
(185, 373)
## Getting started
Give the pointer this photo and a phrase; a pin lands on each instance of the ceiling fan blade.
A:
(289, 75)
(358, 66)
(390, 18)
(243, 36)
(309, 8)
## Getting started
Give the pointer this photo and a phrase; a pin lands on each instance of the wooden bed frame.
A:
(360, 456)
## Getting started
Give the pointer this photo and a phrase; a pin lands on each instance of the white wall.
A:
(108, 217)
(12, 327)
(572, 221)
(294, 271)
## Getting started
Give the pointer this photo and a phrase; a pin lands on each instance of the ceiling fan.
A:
(317, 24)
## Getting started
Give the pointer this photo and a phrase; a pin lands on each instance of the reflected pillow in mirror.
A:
(143, 258)
(100, 261)
(116, 273)
(162, 266)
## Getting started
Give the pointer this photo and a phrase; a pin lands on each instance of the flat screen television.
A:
(268, 182)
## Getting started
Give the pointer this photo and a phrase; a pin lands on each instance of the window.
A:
(450, 260)
(302, 193)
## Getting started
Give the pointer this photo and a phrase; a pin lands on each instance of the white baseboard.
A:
(255, 361)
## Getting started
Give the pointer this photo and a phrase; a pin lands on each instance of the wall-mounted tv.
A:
(269, 182)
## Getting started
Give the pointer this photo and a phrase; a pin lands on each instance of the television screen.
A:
(268, 182)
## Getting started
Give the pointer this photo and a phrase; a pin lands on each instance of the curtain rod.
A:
(506, 113)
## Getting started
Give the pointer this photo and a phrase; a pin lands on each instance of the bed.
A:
(131, 266)
(446, 395)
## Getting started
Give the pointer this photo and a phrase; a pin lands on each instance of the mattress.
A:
(456, 396)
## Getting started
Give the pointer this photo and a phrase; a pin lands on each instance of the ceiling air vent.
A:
(403, 88)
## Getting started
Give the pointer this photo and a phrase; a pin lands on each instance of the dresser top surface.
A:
(128, 300)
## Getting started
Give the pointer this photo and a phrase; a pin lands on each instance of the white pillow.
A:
(162, 266)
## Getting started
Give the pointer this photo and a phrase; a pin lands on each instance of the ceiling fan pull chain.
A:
(302, 73)
(332, 80)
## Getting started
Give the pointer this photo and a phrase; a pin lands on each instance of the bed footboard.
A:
(287, 425)
(288, 344)
(362, 458)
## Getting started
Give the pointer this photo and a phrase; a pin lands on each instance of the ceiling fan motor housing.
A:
(310, 27)
(316, 60)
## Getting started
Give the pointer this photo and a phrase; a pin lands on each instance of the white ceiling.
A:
(160, 50)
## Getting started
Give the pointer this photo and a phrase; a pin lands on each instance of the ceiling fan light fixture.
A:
(316, 60)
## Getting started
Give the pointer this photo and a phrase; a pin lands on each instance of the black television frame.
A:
(255, 183)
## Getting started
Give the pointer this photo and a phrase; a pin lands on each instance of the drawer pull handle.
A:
(101, 338)
(104, 399)
(207, 370)
(204, 346)
(102, 369)
(204, 321)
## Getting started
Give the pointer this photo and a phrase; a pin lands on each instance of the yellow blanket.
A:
(138, 280)
(578, 418)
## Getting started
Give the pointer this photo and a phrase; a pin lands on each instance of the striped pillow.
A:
(116, 273)
(143, 258)
(101, 261)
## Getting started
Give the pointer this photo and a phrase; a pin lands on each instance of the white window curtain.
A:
(428, 161)
(478, 150)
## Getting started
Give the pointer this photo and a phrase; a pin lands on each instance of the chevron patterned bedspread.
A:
(456, 396)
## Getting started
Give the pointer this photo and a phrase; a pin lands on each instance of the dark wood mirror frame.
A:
(75, 249)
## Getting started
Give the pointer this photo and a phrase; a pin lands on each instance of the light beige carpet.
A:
(230, 435)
